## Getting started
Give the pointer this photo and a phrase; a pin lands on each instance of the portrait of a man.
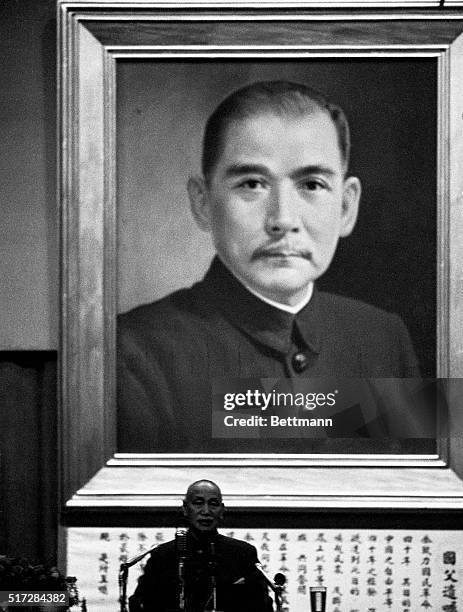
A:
(275, 195)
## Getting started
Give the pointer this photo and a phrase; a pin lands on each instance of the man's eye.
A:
(252, 184)
(313, 185)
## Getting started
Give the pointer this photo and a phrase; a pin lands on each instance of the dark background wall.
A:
(28, 279)
(28, 445)
(28, 227)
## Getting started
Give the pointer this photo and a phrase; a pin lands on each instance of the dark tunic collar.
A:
(267, 325)
(200, 540)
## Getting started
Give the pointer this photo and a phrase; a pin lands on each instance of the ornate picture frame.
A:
(93, 37)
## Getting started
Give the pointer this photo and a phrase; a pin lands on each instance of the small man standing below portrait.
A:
(276, 196)
(208, 559)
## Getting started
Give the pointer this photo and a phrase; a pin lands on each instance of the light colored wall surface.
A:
(28, 227)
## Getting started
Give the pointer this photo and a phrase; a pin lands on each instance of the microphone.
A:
(180, 541)
(279, 579)
(275, 584)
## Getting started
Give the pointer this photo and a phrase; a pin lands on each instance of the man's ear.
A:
(184, 508)
(222, 510)
(352, 191)
(199, 202)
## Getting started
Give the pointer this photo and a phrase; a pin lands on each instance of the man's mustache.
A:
(281, 250)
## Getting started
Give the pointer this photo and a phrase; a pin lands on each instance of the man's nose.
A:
(282, 215)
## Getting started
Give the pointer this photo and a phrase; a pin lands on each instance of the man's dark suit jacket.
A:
(240, 588)
(170, 351)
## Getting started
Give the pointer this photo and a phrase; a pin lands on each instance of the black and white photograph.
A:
(170, 349)
(231, 325)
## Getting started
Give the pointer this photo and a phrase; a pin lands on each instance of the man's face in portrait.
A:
(203, 506)
(277, 201)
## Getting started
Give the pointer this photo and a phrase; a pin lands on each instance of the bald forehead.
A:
(202, 487)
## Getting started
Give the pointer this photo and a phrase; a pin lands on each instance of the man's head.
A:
(203, 506)
(280, 98)
(275, 194)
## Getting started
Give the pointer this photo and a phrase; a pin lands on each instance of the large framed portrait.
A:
(137, 85)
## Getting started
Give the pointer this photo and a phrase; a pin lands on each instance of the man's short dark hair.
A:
(282, 98)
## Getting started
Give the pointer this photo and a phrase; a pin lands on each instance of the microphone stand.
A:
(276, 587)
(181, 579)
(212, 567)
(181, 549)
(278, 593)
(124, 574)
(214, 593)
